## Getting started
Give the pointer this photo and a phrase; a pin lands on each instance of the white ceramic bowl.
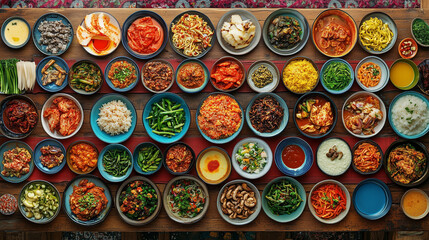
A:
(380, 124)
(343, 214)
(385, 73)
(262, 144)
(45, 123)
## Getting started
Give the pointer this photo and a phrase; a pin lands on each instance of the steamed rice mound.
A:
(114, 118)
(410, 115)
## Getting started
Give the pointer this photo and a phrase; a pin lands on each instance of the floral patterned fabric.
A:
(210, 3)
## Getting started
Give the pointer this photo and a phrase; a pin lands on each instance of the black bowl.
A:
(422, 76)
(420, 147)
(379, 149)
(130, 20)
(333, 108)
(190, 165)
(7, 132)
(209, 23)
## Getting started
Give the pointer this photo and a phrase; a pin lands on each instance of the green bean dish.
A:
(116, 162)
(85, 76)
(166, 118)
(283, 198)
(336, 76)
(149, 158)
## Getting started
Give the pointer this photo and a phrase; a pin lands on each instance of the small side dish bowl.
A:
(144, 79)
(272, 68)
(69, 160)
(268, 158)
(159, 23)
(394, 114)
(404, 74)
(334, 156)
(384, 72)
(228, 86)
(109, 68)
(9, 145)
(323, 77)
(314, 96)
(119, 200)
(190, 75)
(300, 71)
(307, 161)
(95, 111)
(407, 48)
(343, 214)
(168, 201)
(25, 201)
(52, 87)
(45, 122)
(102, 168)
(207, 23)
(148, 108)
(410, 201)
(68, 191)
(250, 188)
(380, 163)
(284, 218)
(408, 148)
(219, 140)
(175, 162)
(380, 124)
(98, 72)
(5, 34)
(213, 165)
(136, 154)
(413, 33)
(38, 154)
(283, 123)
(4, 121)
(304, 34)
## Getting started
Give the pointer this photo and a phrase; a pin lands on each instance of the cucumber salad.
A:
(251, 157)
(39, 201)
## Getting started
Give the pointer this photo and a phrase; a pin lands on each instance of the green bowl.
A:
(416, 73)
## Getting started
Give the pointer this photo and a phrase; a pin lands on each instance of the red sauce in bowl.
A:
(293, 156)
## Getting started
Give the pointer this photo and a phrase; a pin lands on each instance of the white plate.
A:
(45, 123)
(267, 167)
(272, 68)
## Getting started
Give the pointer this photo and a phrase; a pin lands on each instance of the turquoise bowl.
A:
(109, 66)
(38, 154)
(206, 77)
(9, 145)
(322, 72)
(102, 170)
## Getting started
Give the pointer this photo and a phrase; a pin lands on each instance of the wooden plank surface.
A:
(395, 219)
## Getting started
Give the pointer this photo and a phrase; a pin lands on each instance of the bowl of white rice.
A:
(409, 115)
(334, 156)
(113, 118)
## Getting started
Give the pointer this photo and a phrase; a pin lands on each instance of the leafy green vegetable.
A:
(166, 118)
(337, 76)
(116, 162)
(283, 198)
(9, 76)
(421, 31)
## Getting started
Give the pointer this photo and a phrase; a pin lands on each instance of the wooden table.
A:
(394, 220)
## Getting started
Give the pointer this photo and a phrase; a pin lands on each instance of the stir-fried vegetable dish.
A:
(284, 32)
(251, 157)
(186, 198)
(116, 162)
(149, 158)
(166, 118)
(283, 198)
(328, 201)
(138, 200)
(337, 76)
(406, 164)
(85, 76)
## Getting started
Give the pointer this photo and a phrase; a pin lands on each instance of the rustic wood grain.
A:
(395, 219)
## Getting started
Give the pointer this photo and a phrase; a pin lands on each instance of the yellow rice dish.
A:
(300, 76)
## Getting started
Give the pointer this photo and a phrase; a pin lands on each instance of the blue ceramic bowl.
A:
(308, 162)
(314, 95)
(206, 78)
(50, 17)
(137, 167)
(9, 145)
(103, 136)
(402, 135)
(285, 217)
(223, 140)
(102, 170)
(129, 21)
(282, 124)
(69, 190)
(325, 66)
(3, 28)
(109, 66)
(22, 208)
(372, 199)
(174, 98)
(38, 154)
(205, 19)
(51, 87)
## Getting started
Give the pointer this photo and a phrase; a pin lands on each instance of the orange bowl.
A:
(413, 44)
(340, 18)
